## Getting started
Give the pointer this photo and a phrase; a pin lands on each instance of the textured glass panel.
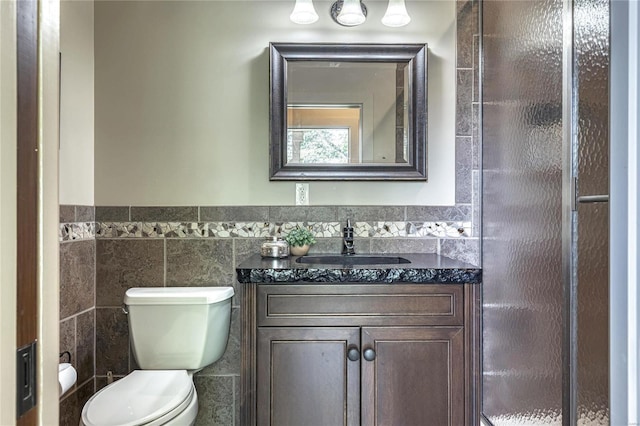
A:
(522, 217)
(591, 41)
(593, 315)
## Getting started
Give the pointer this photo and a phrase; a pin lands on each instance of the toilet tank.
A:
(178, 328)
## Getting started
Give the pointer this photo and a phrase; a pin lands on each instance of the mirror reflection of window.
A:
(318, 146)
(324, 134)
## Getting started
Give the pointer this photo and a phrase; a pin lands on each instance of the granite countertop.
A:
(423, 269)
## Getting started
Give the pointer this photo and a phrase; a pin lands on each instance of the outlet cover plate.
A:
(302, 194)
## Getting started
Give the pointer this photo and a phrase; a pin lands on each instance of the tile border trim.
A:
(375, 229)
(76, 231)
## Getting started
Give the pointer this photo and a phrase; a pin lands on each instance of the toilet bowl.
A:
(144, 397)
(174, 332)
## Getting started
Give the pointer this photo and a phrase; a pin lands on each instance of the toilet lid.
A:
(139, 398)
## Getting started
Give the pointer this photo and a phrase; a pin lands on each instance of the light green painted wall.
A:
(182, 102)
(76, 103)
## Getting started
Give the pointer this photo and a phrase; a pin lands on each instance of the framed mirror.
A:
(348, 111)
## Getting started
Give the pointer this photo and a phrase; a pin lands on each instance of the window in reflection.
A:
(323, 146)
(324, 134)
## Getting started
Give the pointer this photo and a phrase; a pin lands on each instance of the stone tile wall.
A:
(77, 304)
(468, 138)
(179, 246)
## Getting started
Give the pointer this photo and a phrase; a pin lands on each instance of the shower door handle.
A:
(593, 199)
(584, 199)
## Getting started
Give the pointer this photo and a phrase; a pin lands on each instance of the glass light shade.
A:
(351, 13)
(396, 15)
(304, 12)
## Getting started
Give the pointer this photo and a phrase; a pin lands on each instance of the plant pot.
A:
(299, 250)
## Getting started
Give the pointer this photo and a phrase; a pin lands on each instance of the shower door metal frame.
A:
(574, 136)
(569, 222)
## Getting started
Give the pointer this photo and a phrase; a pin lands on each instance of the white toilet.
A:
(174, 332)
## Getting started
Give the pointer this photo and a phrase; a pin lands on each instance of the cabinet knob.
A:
(369, 354)
(353, 354)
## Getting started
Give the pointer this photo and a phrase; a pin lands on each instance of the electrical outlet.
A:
(302, 194)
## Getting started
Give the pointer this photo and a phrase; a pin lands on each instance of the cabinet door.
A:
(416, 378)
(305, 377)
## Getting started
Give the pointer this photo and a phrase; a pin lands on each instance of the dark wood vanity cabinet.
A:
(417, 377)
(358, 355)
(306, 378)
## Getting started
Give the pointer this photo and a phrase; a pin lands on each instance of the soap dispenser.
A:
(274, 247)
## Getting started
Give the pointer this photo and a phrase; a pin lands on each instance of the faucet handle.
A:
(347, 240)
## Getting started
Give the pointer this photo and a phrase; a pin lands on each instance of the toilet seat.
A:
(144, 397)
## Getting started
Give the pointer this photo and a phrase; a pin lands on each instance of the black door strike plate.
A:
(26, 378)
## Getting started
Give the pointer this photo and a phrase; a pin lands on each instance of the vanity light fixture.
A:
(396, 15)
(304, 12)
(350, 13)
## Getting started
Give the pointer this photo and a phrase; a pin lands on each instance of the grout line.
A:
(75, 341)
(217, 375)
(233, 398)
(75, 389)
(76, 314)
(95, 353)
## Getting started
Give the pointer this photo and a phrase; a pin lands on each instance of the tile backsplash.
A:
(402, 224)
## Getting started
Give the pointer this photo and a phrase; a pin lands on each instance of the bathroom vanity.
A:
(359, 344)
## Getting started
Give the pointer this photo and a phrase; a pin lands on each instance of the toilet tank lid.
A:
(177, 295)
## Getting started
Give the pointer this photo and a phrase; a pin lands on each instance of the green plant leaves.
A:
(300, 237)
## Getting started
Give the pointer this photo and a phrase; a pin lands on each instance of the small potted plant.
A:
(300, 239)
